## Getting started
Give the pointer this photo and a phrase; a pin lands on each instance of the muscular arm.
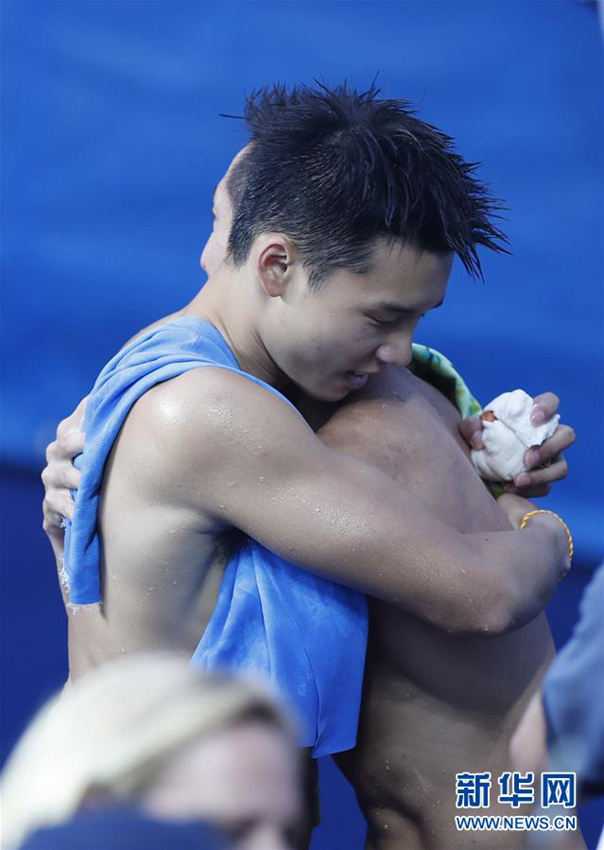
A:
(265, 472)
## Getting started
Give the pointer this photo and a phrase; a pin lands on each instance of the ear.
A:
(276, 258)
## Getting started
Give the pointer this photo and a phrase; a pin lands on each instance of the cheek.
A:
(211, 258)
(206, 256)
(346, 342)
(215, 251)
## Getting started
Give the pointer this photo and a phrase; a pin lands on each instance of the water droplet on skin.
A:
(222, 507)
(317, 510)
(174, 583)
(151, 589)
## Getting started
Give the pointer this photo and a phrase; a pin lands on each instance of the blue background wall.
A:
(113, 144)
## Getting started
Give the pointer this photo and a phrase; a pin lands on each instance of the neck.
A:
(224, 302)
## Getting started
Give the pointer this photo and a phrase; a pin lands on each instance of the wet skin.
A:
(434, 704)
(163, 561)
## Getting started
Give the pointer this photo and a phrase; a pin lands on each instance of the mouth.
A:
(356, 380)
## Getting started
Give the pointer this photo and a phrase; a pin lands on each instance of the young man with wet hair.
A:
(347, 212)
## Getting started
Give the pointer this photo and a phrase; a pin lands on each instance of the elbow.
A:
(492, 610)
(489, 602)
(497, 619)
(503, 608)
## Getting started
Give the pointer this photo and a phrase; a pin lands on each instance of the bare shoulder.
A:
(208, 416)
(395, 414)
(439, 401)
(373, 417)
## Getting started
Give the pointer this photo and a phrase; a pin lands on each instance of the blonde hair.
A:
(111, 731)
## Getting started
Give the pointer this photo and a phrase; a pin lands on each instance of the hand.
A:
(515, 507)
(60, 476)
(546, 462)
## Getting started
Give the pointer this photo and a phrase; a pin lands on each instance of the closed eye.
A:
(401, 317)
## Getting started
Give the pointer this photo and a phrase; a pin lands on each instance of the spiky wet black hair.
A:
(335, 169)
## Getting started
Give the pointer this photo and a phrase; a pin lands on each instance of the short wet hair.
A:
(335, 169)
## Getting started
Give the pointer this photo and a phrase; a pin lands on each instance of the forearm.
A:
(346, 520)
(399, 552)
(525, 568)
(488, 583)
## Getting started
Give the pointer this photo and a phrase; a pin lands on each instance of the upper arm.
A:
(237, 455)
(245, 458)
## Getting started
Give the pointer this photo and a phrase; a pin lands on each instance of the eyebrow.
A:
(396, 308)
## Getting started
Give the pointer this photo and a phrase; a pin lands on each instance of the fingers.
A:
(75, 420)
(544, 407)
(530, 492)
(59, 478)
(55, 506)
(561, 439)
(537, 482)
(69, 443)
(65, 447)
(53, 526)
(60, 475)
(546, 464)
(556, 471)
(57, 541)
(72, 444)
(471, 431)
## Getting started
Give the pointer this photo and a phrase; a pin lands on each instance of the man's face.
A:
(329, 341)
(215, 250)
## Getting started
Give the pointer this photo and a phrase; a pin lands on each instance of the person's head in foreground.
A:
(339, 222)
(151, 731)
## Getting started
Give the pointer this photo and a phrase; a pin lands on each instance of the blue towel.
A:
(307, 635)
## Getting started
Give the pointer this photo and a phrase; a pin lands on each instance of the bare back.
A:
(434, 703)
(162, 563)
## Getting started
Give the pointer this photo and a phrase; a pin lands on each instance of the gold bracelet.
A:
(569, 537)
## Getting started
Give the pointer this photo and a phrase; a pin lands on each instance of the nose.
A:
(396, 351)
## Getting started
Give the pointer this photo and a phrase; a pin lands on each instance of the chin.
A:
(326, 395)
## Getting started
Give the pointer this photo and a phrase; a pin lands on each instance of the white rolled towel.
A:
(507, 434)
